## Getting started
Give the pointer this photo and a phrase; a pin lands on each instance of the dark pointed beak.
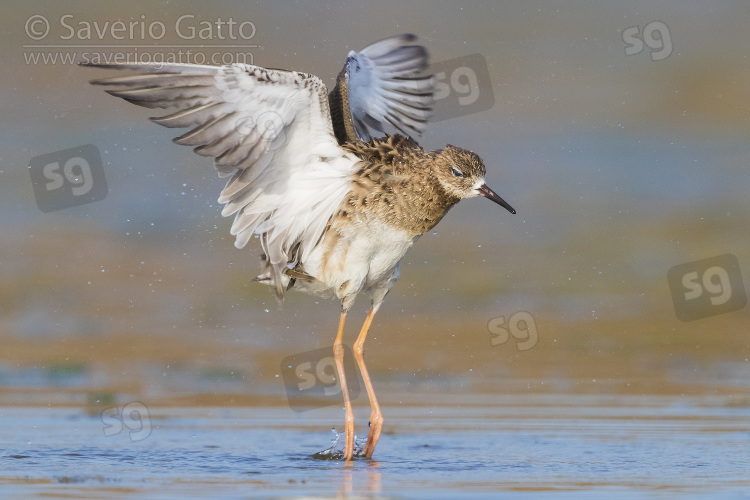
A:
(491, 195)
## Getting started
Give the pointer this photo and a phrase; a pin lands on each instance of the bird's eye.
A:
(457, 172)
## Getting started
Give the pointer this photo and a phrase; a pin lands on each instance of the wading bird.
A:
(335, 209)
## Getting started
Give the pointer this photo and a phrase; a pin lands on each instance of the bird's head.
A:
(461, 174)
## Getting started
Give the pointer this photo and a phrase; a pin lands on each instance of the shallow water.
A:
(590, 445)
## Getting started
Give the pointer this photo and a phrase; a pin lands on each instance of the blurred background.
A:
(618, 131)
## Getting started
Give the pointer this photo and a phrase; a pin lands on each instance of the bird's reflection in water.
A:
(347, 480)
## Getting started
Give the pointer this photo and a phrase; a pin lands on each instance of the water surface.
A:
(542, 444)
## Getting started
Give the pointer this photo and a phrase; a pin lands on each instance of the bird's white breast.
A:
(364, 256)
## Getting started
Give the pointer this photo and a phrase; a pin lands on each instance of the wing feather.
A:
(379, 85)
(270, 131)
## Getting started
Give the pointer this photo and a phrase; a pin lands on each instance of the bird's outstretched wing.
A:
(270, 130)
(379, 85)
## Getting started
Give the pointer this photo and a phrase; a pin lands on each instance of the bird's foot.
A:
(373, 436)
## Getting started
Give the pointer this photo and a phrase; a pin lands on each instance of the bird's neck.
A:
(424, 202)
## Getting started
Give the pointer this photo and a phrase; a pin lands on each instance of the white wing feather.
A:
(270, 130)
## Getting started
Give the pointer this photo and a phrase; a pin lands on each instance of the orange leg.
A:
(376, 417)
(338, 355)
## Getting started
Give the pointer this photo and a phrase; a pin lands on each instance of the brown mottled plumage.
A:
(399, 185)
